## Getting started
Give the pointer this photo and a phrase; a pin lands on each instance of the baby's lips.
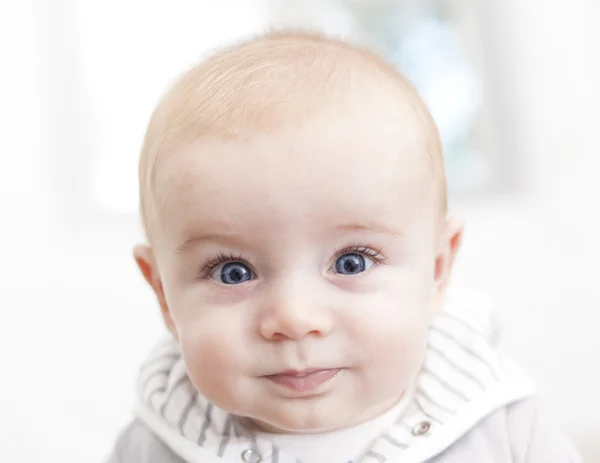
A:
(304, 381)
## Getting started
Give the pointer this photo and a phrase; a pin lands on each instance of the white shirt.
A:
(341, 446)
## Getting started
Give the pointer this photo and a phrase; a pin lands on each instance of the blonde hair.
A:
(256, 85)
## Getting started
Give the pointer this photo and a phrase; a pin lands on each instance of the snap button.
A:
(421, 428)
(251, 456)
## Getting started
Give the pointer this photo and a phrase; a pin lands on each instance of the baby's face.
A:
(298, 268)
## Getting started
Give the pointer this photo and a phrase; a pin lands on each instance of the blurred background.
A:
(513, 86)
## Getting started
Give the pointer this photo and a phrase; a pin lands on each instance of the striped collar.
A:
(463, 379)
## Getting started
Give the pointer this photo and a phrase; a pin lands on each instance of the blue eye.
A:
(234, 273)
(350, 264)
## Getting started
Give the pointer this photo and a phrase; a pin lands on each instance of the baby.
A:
(294, 200)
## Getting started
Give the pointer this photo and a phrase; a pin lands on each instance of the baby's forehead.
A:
(326, 96)
(339, 161)
(286, 180)
(371, 125)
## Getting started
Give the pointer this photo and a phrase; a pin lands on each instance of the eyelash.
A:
(222, 258)
(367, 251)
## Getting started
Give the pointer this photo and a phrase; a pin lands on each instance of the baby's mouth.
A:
(304, 381)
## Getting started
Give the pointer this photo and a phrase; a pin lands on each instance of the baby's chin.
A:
(303, 418)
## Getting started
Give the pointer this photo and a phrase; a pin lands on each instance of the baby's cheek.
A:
(215, 359)
(399, 339)
(412, 349)
(394, 370)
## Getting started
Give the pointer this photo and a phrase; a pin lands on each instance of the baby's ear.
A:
(144, 257)
(449, 243)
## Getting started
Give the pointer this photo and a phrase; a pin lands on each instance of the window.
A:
(449, 50)
(122, 56)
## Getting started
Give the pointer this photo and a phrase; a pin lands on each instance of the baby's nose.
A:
(295, 319)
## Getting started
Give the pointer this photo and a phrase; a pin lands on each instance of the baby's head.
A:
(293, 195)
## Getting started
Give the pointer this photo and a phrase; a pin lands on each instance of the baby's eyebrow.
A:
(214, 237)
(371, 227)
(199, 238)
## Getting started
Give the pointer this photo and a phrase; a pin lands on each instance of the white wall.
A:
(540, 251)
(76, 318)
